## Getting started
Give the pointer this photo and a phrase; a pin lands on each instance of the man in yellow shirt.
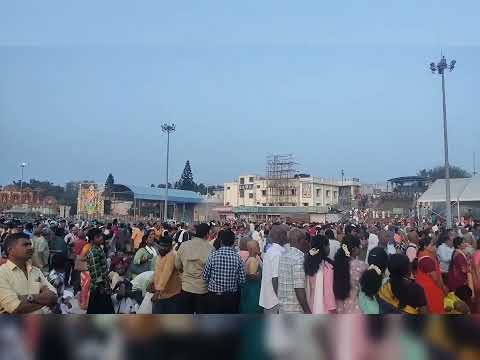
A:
(137, 236)
(23, 287)
(190, 261)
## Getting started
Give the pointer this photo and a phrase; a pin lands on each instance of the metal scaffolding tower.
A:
(281, 184)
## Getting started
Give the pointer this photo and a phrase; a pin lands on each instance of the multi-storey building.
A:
(298, 195)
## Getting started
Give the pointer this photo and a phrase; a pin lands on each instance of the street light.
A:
(22, 166)
(440, 69)
(208, 207)
(166, 128)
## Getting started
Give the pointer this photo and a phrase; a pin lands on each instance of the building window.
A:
(264, 204)
(250, 179)
(242, 181)
(250, 196)
(292, 192)
(282, 192)
(334, 194)
(228, 187)
(264, 192)
(318, 204)
(318, 192)
(242, 193)
(305, 204)
(258, 186)
(258, 203)
(328, 193)
(227, 203)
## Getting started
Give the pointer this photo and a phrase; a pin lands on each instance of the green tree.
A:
(71, 195)
(186, 180)
(110, 181)
(108, 193)
(438, 172)
(202, 189)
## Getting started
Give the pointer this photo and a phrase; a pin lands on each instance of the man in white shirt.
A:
(269, 288)
(334, 244)
(372, 239)
(412, 250)
(258, 237)
(444, 253)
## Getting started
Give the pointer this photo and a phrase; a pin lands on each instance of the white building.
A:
(314, 195)
(253, 190)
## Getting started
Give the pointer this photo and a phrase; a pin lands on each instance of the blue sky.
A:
(84, 88)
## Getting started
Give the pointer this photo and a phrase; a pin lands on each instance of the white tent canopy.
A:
(472, 191)
(465, 189)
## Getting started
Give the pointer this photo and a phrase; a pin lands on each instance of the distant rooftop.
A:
(404, 179)
(158, 194)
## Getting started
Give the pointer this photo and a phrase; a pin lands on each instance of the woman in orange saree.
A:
(429, 277)
(84, 279)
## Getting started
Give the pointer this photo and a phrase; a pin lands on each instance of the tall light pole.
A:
(208, 208)
(440, 69)
(166, 128)
(474, 165)
(22, 166)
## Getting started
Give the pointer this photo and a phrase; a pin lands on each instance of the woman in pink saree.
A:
(319, 271)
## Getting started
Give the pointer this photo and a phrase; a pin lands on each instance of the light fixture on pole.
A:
(166, 128)
(22, 166)
(440, 69)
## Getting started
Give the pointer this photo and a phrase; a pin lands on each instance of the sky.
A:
(85, 87)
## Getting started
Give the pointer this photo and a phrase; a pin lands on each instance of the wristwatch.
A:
(30, 299)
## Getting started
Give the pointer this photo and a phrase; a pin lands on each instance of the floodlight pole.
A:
(167, 129)
(22, 166)
(440, 69)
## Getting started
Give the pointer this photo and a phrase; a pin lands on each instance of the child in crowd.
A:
(118, 269)
(56, 277)
(458, 302)
(123, 298)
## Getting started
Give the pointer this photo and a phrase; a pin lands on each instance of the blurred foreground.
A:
(239, 337)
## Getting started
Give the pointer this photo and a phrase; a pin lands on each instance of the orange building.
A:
(14, 196)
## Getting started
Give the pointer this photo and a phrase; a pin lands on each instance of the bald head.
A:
(253, 248)
(413, 237)
(278, 234)
(296, 238)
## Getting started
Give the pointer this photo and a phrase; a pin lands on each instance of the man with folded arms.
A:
(23, 287)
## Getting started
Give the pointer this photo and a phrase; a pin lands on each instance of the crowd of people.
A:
(398, 266)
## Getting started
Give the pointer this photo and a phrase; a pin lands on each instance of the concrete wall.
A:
(231, 194)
